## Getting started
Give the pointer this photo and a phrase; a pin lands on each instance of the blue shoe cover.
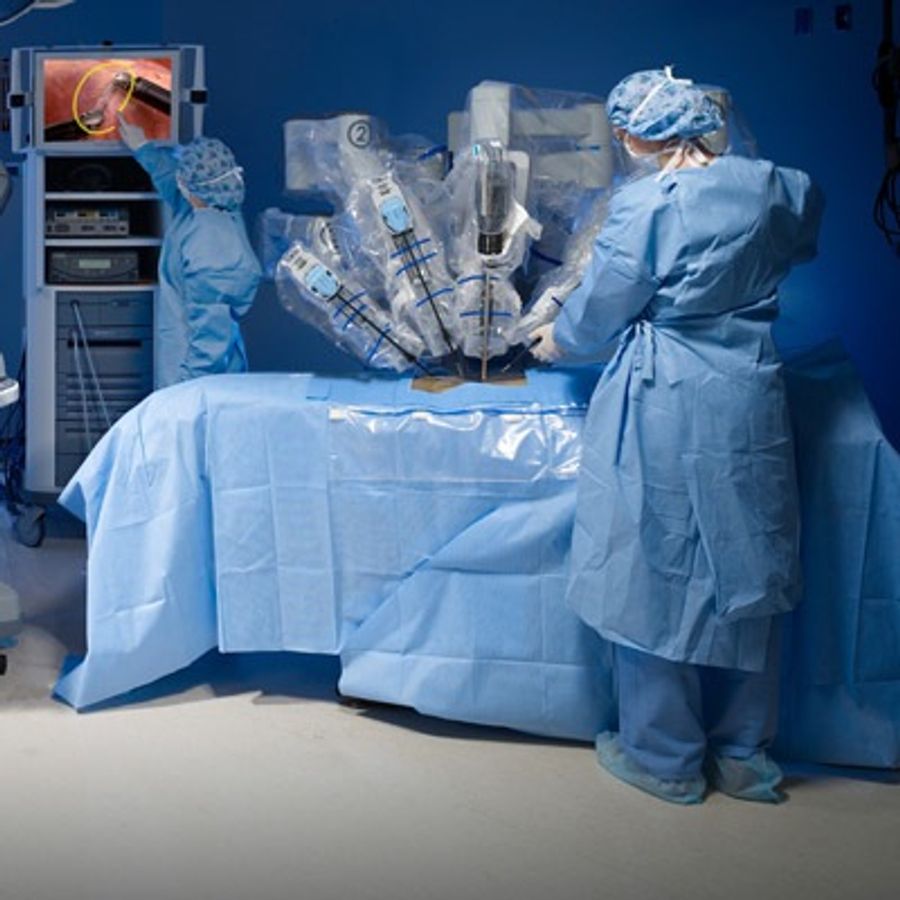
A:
(614, 759)
(755, 778)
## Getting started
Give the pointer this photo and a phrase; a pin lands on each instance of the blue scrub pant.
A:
(672, 713)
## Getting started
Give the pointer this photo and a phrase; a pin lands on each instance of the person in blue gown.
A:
(685, 547)
(208, 272)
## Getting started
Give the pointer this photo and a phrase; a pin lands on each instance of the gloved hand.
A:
(547, 350)
(133, 136)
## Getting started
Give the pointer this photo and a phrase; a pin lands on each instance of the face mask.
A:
(234, 175)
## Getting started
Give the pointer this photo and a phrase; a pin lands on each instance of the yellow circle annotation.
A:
(122, 66)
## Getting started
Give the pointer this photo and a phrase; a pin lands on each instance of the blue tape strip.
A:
(434, 296)
(439, 148)
(356, 312)
(375, 346)
(417, 261)
(545, 258)
(345, 303)
(414, 245)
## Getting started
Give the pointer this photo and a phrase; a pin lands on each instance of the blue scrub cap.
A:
(208, 170)
(654, 105)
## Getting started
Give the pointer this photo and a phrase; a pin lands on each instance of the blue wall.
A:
(808, 99)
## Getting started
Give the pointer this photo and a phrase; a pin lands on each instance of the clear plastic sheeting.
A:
(382, 188)
(491, 233)
(452, 256)
(565, 135)
(555, 285)
(277, 230)
(342, 310)
(735, 136)
(314, 151)
(316, 285)
(527, 163)
(562, 147)
(395, 232)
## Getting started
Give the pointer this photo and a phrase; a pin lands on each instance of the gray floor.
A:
(243, 778)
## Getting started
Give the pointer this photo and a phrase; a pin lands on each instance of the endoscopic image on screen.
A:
(82, 97)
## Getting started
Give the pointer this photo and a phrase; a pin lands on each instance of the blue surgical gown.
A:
(208, 276)
(686, 535)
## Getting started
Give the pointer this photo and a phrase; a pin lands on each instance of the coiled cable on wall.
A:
(886, 81)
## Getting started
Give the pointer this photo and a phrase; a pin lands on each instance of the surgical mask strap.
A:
(234, 170)
(673, 162)
(187, 191)
(696, 154)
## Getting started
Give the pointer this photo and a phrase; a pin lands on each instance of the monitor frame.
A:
(38, 142)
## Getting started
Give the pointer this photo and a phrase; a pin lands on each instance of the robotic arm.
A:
(490, 248)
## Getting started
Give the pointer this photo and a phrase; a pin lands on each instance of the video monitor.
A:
(80, 97)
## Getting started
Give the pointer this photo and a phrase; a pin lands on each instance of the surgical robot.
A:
(382, 228)
(415, 270)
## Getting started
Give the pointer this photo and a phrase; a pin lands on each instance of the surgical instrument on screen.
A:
(77, 129)
(143, 90)
(134, 87)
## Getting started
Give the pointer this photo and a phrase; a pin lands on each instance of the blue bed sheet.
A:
(424, 538)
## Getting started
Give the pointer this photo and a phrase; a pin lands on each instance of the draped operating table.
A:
(423, 537)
